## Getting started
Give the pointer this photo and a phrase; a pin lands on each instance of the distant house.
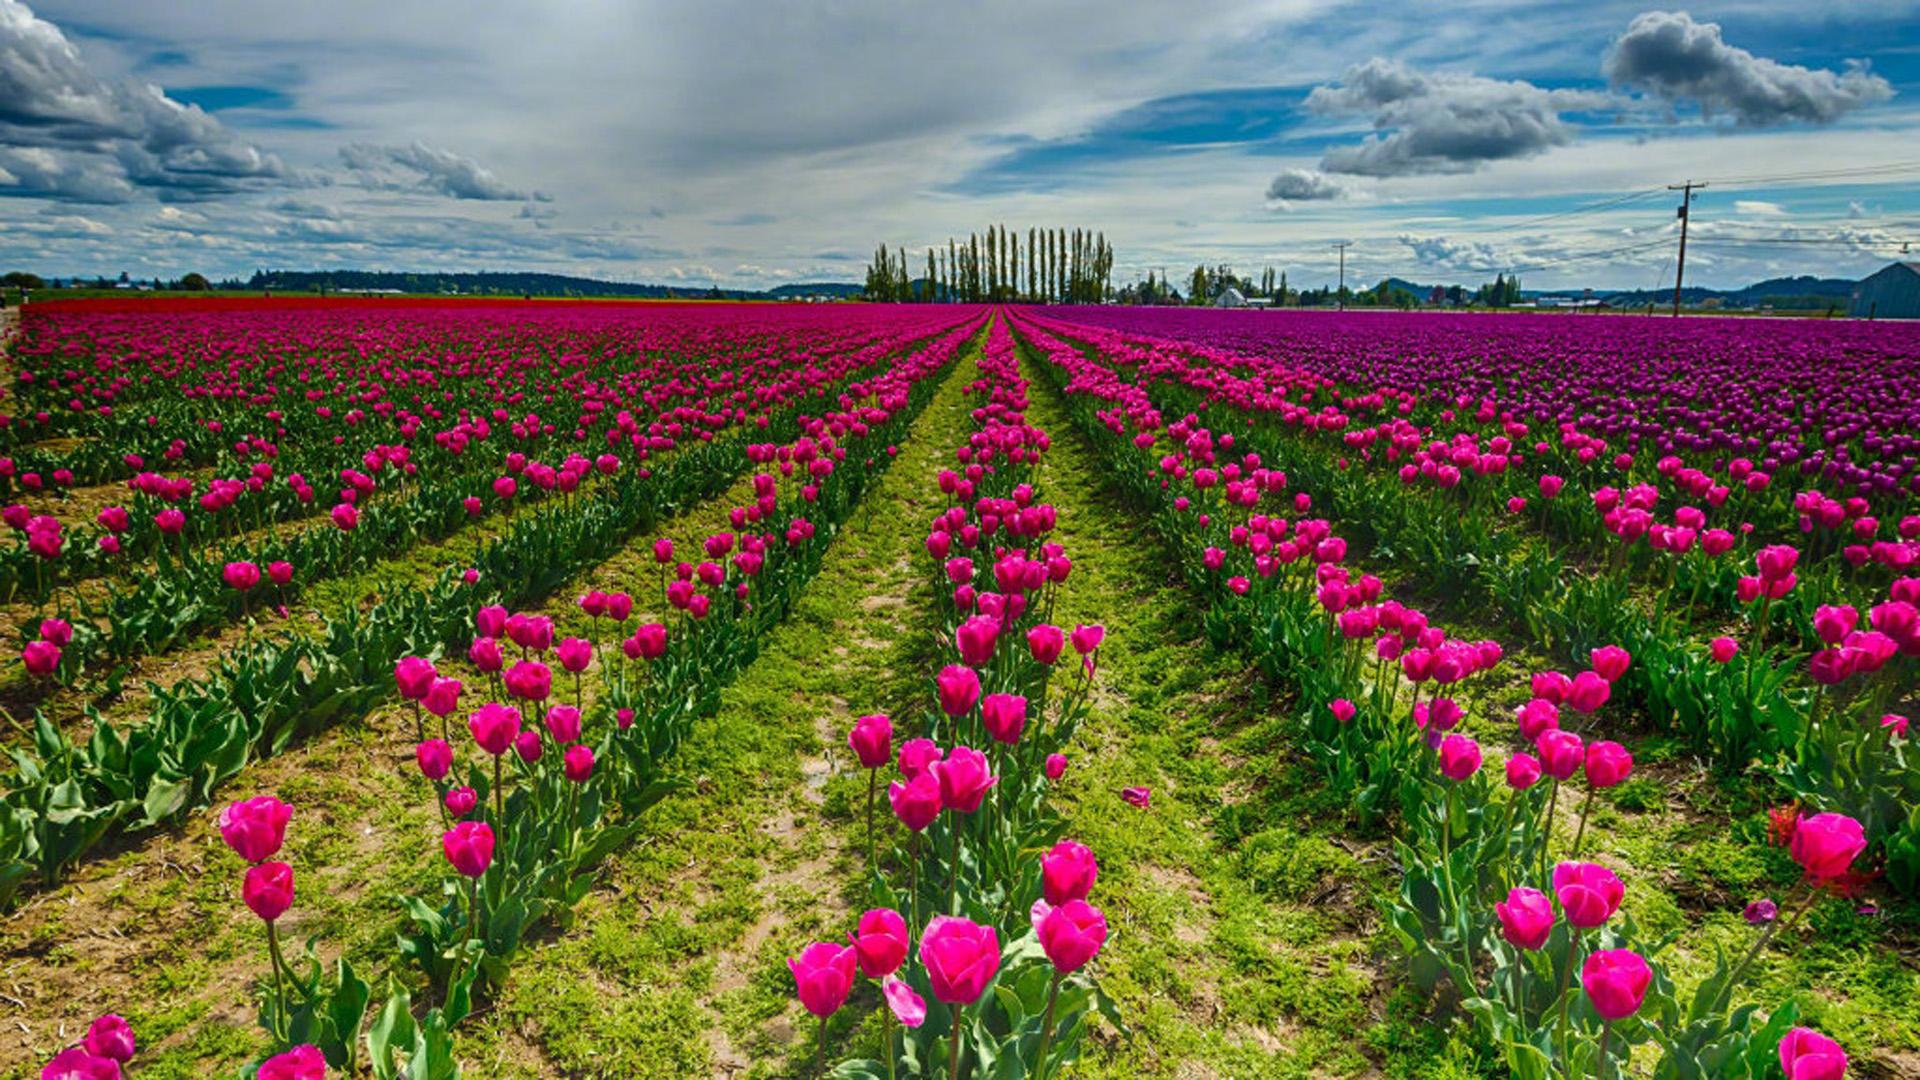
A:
(1230, 297)
(1893, 293)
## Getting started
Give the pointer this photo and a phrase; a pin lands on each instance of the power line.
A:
(1821, 174)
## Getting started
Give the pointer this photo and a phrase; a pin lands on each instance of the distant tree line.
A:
(1053, 266)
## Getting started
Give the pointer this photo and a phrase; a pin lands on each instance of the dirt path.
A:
(677, 967)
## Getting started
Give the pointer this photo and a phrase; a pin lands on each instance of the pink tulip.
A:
(460, 801)
(1561, 753)
(1608, 763)
(575, 654)
(976, 638)
(1610, 662)
(1551, 686)
(57, 631)
(881, 942)
(965, 778)
(443, 697)
(1056, 764)
(916, 802)
(79, 1063)
(1723, 649)
(1140, 797)
(485, 654)
(578, 763)
(267, 889)
(1087, 639)
(1526, 918)
(1071, 934)
(1589, 692)
(469, 847)
(345, 517)
(110, 1036)
(1776, 562)
(823, 976)
(1045, 642)
(1459, 757)
(650, 640)
(1536, 718)
(1616, 982)
(563, 723)
(1523, 771)
(529, 680)
(1004, 716)
(1825, 845)
(1588, 893)
(871, 740)
(1068, 872)
(1805, 1054)
(491, 621)
(916, 755)
(303, 1062)
(40, 657)
(1342, 709)
(435, 759)
(960, 957)
(414, 676)
(528, 747)
(241, 575)
(255, 828)
(494, 726)
(959, 688)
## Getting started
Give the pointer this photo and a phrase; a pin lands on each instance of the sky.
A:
(750, 144)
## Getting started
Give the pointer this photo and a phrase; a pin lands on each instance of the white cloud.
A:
(419, 167)
(1668, 55)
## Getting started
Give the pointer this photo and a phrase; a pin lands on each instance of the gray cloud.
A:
(419, 167)
(67, 133)
(1443, 122)
(1303, 185)
(1668, 55)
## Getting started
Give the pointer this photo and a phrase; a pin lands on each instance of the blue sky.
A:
(751, 144)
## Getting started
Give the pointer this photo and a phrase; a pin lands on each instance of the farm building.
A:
(1893, 293)
(1230, 297)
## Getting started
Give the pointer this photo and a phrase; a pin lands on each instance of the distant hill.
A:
(518, 284)
(1788, 292)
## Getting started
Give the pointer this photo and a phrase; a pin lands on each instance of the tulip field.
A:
(411, 688)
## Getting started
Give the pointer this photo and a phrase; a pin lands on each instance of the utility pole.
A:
(1686, 202)
(1340, 298)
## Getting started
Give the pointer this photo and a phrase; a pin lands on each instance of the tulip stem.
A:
(1600, 1060)
(1046, 1029)
(1546, 830)
(279, 989)
(1566, 981)
(1585, 805)
(886, 1028)
(873, 785)
(913, 876)
(953, 864)
(1733, 977)
(499, 793)
(953, 1046)
(820, 1050)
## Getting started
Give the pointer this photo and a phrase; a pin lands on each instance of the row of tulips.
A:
(1803, 687)
(568, 740)
(451, 481)
(1494, 900)
(981, 934)
(66, 797)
